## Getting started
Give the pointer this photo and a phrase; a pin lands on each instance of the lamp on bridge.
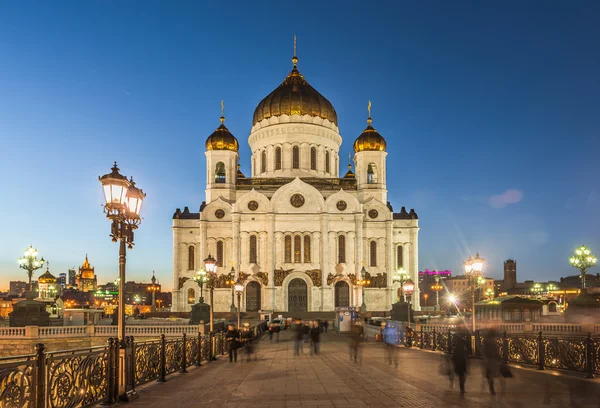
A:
(473, 272)
(399, 308)
(239, 289)
(231, 283)
(201, 312)
(409, 288)
(123, 202)
(210, 264)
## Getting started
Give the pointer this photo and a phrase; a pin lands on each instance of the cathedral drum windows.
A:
(191, 258)
(295, 157)
(399, 257)
(326, 162)
(313, 158)
(278, 158)
(263, 161)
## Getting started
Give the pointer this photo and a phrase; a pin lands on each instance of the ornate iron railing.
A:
(579, 354)
(84, 377)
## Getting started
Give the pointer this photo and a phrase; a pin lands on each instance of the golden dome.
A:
(222, 139)
(369, 140)
(47, 277)
(295, 96)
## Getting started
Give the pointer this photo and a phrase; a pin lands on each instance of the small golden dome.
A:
(222, 139)
(295, 96)
(369, 140)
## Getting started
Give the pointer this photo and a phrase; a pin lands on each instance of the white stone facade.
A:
(288, 219)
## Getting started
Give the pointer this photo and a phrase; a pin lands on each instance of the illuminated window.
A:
(313, 158)
(297, 248)
(342, 249)
(288, 249)
(307, 249)
(191, 259)
(278, 158)
(373, 253)
(295, 157)
(253, 249)
(191, 296)
(219, 253)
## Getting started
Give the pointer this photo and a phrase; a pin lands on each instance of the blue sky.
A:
(490, 111)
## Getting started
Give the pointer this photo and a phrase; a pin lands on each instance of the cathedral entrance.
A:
(342, 294)
(253, 297)
(297, 296)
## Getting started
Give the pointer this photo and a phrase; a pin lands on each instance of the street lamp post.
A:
(231, 282)
(30, 263)
(210, 264)
(200, 278)
(362, 282)
(401, 276)
(123, 202)
(409, 288)
(153, 288)
(239, 289)
(473, 271)
(437, 288)
(583, 260)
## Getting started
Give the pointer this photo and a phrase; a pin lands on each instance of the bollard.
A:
(40, 376)
(183, 362)
(505, 347)
(589, 356)
(162, 374)
(541, 352)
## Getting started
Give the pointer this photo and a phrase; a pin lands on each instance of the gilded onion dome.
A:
(222, 139)
(295, 96)
(370, 139)
(47, 277)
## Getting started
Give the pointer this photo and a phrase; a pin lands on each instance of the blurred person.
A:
(298, 337)
(326, 325)
(271, 329)
(307, 331)
(232, 338)
(315, 334)
(460, 359)
(355, 336)
(491, 358)
(391, 351)
(276, 330)
(248, 340)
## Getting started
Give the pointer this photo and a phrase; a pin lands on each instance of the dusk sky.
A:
(491, 114)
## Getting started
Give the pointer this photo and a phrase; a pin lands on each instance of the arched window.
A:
(307, 249)
(370, 175)
(295, 157)
(191, 258)
(252, 258)
(288, 249)
(278, 158)
(342, 249)
(399, 257)
(326, 162)
(297, 249)
(373, 250)
(313, 158)
(220, 173)
(219, 253)
(263, 161)
(191, 296)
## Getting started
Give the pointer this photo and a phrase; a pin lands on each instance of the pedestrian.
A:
(315, 334)
(247, 337)
(298, 336)
(355, 336)
(391, 351)
(277, 328)
(306, 331)
(271, 329)
(460, 359)
(492, 359)
(232, 338)
(326, 324)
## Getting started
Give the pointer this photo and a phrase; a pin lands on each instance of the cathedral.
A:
(296, 233)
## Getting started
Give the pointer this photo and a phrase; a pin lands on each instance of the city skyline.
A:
(484, 133)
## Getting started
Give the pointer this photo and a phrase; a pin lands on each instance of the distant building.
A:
(47, 285)
(510, 274)
(459, 287)
(21, 286)
(72, 277)
(427, 279)
(86, 278)
(62, 279)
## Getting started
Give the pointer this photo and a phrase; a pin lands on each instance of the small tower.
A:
(221, 162)
(510, 274)
(370, 163)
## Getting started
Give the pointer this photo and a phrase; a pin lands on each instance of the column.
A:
(235, 235)
(244, 243)
(389, 261)
(316, 249)
(414, 264)
(262, 251)
(176, 270)
(202, 248)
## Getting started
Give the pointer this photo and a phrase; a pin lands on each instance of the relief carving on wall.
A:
(377, 281)
(263, 277)
(330, 278)
(280, 275)
(220, 282)
(243, 276)
(352, 278)
(182, 281)
(315, 275)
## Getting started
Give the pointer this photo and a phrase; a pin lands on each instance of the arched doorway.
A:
(297, 296)
(342, 294)
(252, 296)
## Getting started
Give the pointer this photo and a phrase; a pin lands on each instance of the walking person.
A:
(232, 338)
(247, 338)
(389, 338)
(492, 359)
(315, 334)
(276, 330)
(460, 360)
(326, 325)
(307, 331)
(355, 336)
(298, 337)
(271, 329)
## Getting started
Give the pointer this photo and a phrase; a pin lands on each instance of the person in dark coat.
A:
(232, 338)
(492, 359)
(315, 334)
(298, 336)
(460, 360)
(326, 325)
